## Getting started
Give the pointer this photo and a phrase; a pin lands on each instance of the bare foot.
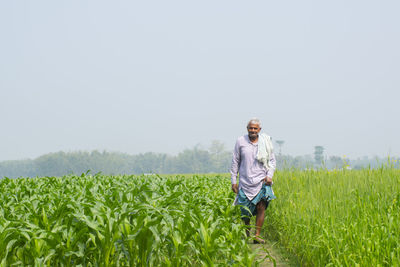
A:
(258, 240)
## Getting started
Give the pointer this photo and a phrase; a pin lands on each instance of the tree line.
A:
(215, 159)
(196, 160)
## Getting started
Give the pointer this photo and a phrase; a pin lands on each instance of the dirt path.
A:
(278, 255)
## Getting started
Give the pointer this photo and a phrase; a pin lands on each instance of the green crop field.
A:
(121, 221)
(338, 218)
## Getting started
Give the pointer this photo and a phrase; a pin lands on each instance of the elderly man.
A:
(254, 160)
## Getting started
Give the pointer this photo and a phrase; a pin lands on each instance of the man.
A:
(254, 160)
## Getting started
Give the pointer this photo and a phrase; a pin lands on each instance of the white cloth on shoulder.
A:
(265, 149)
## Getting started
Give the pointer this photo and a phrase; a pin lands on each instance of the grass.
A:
(340, 217)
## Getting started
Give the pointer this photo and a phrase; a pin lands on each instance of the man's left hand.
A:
(268, 180)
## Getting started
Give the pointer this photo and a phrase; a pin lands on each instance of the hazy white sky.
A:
(162, 76)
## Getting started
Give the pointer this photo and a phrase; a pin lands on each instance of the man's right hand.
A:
(235, 188)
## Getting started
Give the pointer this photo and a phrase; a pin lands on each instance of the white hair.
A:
(254, 121)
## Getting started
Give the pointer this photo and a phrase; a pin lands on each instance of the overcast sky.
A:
(162, 76)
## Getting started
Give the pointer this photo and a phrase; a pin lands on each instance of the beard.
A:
(253, 135)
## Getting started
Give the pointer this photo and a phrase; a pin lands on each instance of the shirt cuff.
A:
(233, 180)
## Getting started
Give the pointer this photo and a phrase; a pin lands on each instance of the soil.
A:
(272, 255)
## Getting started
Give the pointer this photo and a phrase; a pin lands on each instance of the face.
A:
(253, 130)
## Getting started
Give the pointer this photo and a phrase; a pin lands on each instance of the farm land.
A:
(320, 217)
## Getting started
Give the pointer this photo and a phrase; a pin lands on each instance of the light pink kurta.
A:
(251, 171)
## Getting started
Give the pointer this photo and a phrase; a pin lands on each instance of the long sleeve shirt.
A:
(251, 171)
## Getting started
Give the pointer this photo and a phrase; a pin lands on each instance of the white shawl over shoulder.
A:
(265, 150)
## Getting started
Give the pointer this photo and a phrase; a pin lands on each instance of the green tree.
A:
(318, 154)
(336, 162)
(220, 157)
(280, 144)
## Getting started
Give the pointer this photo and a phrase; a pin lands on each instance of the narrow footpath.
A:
(272, 255)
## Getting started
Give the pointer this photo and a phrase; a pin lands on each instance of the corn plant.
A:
(121, 221)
